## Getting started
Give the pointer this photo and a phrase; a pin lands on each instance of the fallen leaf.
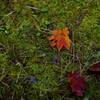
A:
(60, 38)
(95, 67)
(76, 83)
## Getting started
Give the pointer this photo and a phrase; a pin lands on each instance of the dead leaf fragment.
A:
(95, 67)
(56, 59)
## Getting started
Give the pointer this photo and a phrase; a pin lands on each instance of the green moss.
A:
(24, 49)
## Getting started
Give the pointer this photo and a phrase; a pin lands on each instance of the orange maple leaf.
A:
(60, 38)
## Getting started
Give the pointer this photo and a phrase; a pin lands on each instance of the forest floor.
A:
(30, 69)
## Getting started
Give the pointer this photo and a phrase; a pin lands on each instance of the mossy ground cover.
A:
(25, 50)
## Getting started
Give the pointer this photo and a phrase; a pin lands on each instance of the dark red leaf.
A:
(76, 83)
(95, 67)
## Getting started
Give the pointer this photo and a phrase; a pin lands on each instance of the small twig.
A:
(32, 7)
(18, 76)
(2, 29)
(37, 26)
(2, 45)
(7, 15)
(5, 84)
(13, 95)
